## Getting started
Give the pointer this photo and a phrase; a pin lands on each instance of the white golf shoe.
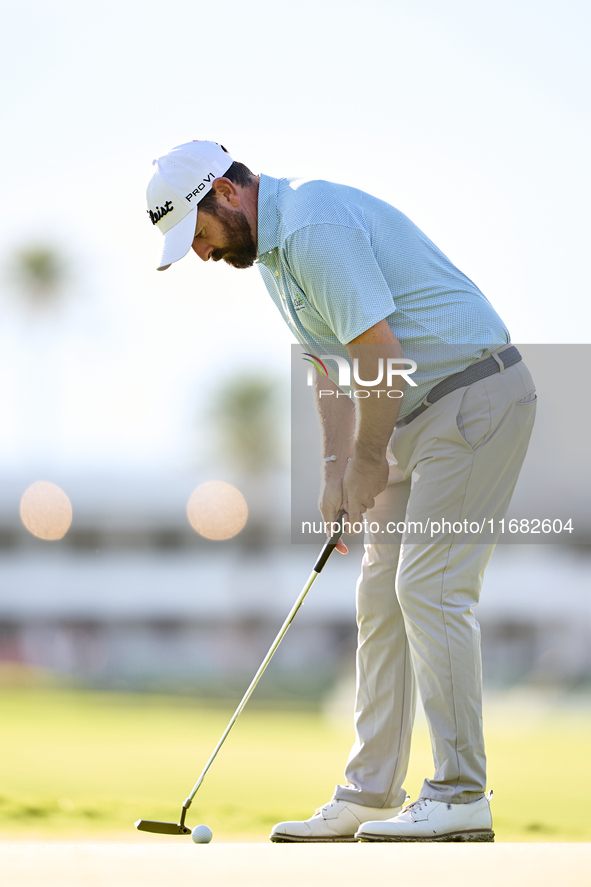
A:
(335, 821)
(428, 820)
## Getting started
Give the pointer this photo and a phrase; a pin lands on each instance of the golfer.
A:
(348, 271)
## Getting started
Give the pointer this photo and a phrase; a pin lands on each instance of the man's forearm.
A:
(337, 420)
(360, 471)
(378, 411)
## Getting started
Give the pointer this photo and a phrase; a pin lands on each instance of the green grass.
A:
(79, 765)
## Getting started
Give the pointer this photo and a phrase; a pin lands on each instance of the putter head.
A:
(162, 828)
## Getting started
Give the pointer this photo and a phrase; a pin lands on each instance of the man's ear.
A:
(226, 191)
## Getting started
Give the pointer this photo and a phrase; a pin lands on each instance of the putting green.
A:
(86, 766)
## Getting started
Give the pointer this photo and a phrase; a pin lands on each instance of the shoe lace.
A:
(416, 805)
(326, 806)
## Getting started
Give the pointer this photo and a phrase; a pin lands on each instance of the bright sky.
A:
(471, 116)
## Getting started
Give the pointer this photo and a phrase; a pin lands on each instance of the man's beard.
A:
(241, 250)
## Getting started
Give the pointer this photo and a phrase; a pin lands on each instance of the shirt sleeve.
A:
(338, 271)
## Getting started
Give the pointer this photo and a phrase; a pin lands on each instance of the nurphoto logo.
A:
(392, 367)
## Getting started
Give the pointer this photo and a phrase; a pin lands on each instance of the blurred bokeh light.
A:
(217, 510)
(46, 511)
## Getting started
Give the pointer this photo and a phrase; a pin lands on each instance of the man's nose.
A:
(203, 250)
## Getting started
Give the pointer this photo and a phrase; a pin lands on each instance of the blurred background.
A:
(128, 389)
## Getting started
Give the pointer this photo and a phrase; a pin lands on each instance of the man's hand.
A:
(354, 492)
(330, 502)
(365, 478)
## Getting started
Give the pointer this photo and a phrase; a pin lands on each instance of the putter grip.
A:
(329, 546)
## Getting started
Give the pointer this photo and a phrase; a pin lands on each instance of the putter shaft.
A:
(327, 550)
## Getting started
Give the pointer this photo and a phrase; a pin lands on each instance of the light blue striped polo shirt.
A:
(336, 261)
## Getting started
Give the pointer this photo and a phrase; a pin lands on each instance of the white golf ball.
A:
(202, 834)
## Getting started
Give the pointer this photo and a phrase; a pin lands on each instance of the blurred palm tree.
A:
(39, 272)
(38, 278)
(247, 419)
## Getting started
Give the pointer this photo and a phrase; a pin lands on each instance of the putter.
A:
(179, 828)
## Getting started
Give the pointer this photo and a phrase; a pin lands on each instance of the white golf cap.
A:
(184, 176)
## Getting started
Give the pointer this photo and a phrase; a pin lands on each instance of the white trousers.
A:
(458, 460)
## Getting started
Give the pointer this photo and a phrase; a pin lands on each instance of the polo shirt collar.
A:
(268, 219)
